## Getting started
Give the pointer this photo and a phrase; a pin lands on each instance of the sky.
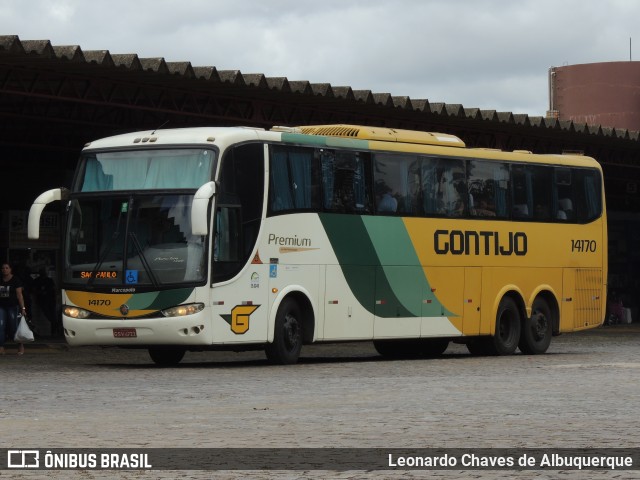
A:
(488, 54)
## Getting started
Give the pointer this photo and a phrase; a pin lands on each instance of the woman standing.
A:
(11, 299)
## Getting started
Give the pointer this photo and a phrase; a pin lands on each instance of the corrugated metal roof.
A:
(42, 52)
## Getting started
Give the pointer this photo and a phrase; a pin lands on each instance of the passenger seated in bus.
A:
(484, 209)
(565, 209)
(388, 203)
(521, 210)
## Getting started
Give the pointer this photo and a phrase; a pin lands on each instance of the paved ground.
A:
(583, 393)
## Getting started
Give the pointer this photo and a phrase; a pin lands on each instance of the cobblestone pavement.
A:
(583, 393)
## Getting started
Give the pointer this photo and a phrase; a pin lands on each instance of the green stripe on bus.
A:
(324, 141)
(347, 143)
(391, 240)
(351, 242)
(398, 260)
(299, 138)
(401, 265)
(381, 266)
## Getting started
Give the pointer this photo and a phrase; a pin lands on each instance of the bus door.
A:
(240, 309)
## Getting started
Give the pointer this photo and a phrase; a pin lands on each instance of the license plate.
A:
(124, 333)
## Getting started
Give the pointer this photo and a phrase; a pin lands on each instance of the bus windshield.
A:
(145, 170)
(138, 232)
(142, 240)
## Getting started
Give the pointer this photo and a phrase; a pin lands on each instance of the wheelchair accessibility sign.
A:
(131, 276)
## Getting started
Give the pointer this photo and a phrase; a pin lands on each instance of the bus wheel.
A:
(536, 330)
(166, 356)
(508, 326)
(287, 336)
(505, 341)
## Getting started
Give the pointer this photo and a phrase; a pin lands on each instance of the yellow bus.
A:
(241, 238)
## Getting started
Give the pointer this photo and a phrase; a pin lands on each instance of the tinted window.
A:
(237, 219)
(397, 184)
(488, 184)
(294, 180)
(531, 192)
(444, 187)
(345, 181)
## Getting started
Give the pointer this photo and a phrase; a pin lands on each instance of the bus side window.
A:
(531, 192)
(588, 196)
(579, 195)
(345, 181)
(521, 193)
(397, 183)
(488, 186)
(293, 181)
(563, 195)
(452, 196)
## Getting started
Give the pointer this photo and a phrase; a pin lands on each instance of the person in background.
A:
(11, 303)
(616, 309)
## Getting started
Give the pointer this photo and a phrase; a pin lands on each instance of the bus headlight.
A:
(75, 312)
(182, 310)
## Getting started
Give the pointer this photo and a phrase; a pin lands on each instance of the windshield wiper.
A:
(143, 259)
(107, 251)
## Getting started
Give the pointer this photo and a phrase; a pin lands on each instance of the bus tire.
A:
(287, 335)
(535, 337)
(508, 328)
(507, 336)
(166, 356)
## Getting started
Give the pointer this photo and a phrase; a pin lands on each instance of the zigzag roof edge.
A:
(11, 46)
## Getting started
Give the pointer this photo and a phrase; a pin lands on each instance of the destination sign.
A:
(99, 274)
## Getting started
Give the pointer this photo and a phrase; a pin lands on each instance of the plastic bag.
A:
(23, 332)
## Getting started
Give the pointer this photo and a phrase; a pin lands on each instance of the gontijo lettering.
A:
(469, 242)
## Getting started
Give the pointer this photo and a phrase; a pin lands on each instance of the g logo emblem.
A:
(239, 318)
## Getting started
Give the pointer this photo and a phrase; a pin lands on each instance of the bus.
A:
(240, 238)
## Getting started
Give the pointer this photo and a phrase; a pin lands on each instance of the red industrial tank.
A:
(606, 94)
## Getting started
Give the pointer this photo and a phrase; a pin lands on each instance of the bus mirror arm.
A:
(200, 208)
(44, 199)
